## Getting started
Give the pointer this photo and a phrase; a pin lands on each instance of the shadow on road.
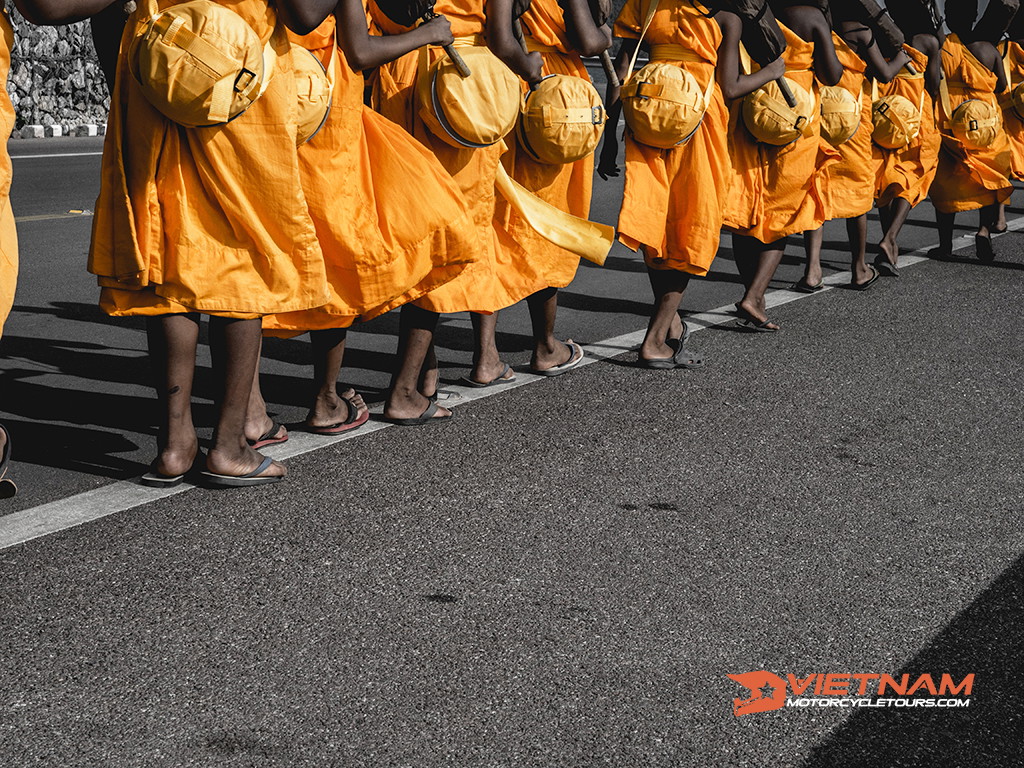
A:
(984, 640)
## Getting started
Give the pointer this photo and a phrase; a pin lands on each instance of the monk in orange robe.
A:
(1012, 51)
(506, 272)
(42, 12)
(970, 179)
(674, 200)
(850, 182)
(779, 191)
(904, 176)
(560, 32)
(194, 221)
(385, 242)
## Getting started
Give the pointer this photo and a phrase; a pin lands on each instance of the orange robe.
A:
(209, 220)
(567, 186)
(969, 179)
(850, 184)
(779, 191)
(505, 272)
(386, 241)
(8, 234)
(1013, 62)
(908, 172)
(674, 199)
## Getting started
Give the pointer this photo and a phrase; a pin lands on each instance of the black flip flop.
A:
(247, 480)
(423, 418)
(885, 268)
(802, 286)
(154, 479)
(867, 283)
(750, 323)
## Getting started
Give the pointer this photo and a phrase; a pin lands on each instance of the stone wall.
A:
(55, 78)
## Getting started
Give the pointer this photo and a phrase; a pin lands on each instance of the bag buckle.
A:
(597, 115)
(800, 121)
(246, 75)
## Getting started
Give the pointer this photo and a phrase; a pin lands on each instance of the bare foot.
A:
(236, 463)
(550, 355)
(756, 312)
(889, 250)
(330, 408)
(410, 405)
(484, 373)
(176, 459)
(257, 427)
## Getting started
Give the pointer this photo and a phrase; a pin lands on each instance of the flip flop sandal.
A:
(748, 322)
(424, 418)
(446, 397)
(247, 480)
(866, 284)
(575, 358)
(885, 268)
(493, 382)
(154, 479)
(269, 437)
(353, 421)
(802, 286)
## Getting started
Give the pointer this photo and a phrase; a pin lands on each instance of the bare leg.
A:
(813, 239)
(765, 259)
(547, 350)
(239, 342)
(415, 344)
(857, 232)
(885, 215)
(430, 377)
(745, 254)
(896, 215)
(257, 422)
(172, 351)
(487, 365)
(330, 409)
(987, 217)
(668, 286)
(1000, 225)
(945, 222)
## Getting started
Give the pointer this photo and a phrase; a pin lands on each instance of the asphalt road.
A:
(564, 573)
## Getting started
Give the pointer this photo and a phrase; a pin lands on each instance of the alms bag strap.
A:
(651, 10)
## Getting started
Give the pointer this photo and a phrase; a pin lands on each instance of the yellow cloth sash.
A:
(587, 239)
(673, 52)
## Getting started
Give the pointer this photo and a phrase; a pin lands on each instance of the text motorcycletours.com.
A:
(767, 691)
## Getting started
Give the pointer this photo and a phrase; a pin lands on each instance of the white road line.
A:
(28, 524)
(59, 154)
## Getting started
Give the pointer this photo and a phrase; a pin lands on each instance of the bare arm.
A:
(586, 37)
(504, 45)
(929, 46)
(731, 80)
(366, 51)
(53, 13)
(303, 16)
(107, 26)
(608, 162)
(862, 40)
(987, 54)
(810, 24)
